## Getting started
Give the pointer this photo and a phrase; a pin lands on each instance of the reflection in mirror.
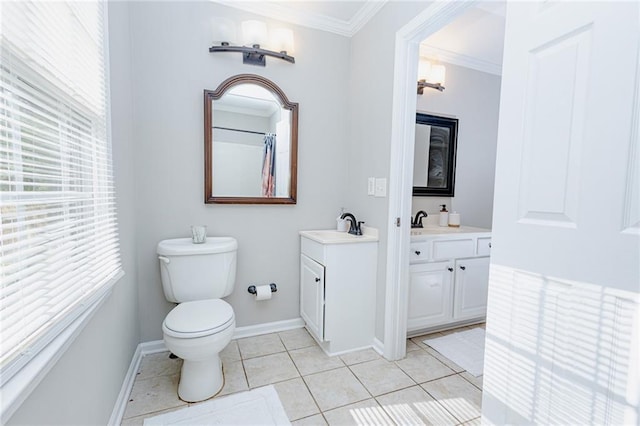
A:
(434, 156)
(250, 143)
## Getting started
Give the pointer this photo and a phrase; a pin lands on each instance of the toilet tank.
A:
(197, 271)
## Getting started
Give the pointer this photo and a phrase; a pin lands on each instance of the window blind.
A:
(58, 235)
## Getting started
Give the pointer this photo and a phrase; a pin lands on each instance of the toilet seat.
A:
(198, 318)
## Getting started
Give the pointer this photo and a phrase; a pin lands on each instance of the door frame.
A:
(407, 43)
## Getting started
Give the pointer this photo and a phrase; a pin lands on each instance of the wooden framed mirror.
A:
(434, 162)
(250, 143)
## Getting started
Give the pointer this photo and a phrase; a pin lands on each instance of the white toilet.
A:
(196, 276)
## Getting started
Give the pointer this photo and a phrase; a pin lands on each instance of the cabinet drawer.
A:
(419, 252)
(484, 246)
(313, 249)
(453, 248)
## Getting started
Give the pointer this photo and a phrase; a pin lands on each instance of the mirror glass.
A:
(250, 143)
(434, 162)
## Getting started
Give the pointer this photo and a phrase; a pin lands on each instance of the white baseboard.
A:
(153, 347)
(156, 346)
(266, 328)
(378, 346)
(125, 390)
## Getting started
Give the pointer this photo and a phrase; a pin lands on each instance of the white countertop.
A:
(435, 231)
(331, 236)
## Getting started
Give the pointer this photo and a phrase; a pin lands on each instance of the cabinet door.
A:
(430, 294)
(312, 295)
(471, 285)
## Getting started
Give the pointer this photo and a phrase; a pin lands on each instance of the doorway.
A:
(408, 38)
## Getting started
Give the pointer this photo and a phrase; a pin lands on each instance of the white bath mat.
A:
(260, 406)
(465, 348)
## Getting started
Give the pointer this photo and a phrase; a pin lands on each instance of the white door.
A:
(430, 294)
(565, 276)
(312, 295)
(471, 285)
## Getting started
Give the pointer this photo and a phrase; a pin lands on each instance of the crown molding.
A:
(454, 58)
(308, 19)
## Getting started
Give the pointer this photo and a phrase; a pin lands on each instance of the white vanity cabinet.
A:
(338, 287)
(449, 278)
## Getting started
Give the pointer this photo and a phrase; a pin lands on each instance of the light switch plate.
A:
(371, 186)
(381, 187)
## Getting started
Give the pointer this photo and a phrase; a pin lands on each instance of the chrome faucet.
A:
(355, 227)
(417, 222)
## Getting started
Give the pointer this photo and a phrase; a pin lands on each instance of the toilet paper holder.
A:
(252, 288)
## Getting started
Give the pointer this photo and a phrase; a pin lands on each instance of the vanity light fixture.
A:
(431, 76)
(254, 35)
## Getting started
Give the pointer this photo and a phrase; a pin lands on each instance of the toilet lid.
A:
(198, 318)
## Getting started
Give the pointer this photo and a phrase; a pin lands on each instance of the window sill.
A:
(16, 390)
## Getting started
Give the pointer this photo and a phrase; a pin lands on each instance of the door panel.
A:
(430, 295)
(312, 295)
(562, 328)
(471, 287)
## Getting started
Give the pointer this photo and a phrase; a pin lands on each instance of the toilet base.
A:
(201, 379)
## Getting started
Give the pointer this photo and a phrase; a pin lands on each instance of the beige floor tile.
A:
(458, 396)
(443, 359)
(158, 365)
(231, 352)
(422, 367)
(296, 399)
(381, 376)
(256, 346)
(419, 340)
(414, 406)
(367, 412)
(335, 388)
(296, 339)
(153, 394)
(360, 356)
(476, 381)
(411, 346)
(316, 420)
(269, 369)
(234, 378)
(475, 422)
(313, 360)
(139, 420)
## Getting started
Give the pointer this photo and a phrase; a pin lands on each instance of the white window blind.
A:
(58, 240)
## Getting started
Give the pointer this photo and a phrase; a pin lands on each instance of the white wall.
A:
(171, 68)
(370, 95)
(473, 97)
(82, 387)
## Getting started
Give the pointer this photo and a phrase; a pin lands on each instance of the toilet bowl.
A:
(197, 332)
(202, 324)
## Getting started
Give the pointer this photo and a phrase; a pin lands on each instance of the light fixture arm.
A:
(253, 55)
(423, 83)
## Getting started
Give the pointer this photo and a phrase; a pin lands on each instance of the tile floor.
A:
(357, 388)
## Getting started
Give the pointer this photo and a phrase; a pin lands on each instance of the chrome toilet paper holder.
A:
(252, 288)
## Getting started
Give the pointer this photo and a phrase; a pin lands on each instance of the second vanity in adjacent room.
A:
(449, 277)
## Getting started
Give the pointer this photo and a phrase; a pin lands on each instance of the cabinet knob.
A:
(463, 267)
(450, 269)
(489, 245)
(417, 252)
(317, 279)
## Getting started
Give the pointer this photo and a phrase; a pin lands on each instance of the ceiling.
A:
(474, 40)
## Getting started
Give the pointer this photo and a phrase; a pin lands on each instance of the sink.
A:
(330, 236)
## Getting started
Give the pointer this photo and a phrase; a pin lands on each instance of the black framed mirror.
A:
(251, 143)
(434, 162)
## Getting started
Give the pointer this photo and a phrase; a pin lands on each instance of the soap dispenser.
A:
(343, 224)
(444, 216)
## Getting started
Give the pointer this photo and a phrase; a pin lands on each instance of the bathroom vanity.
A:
(338, 288)
(449, 277)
